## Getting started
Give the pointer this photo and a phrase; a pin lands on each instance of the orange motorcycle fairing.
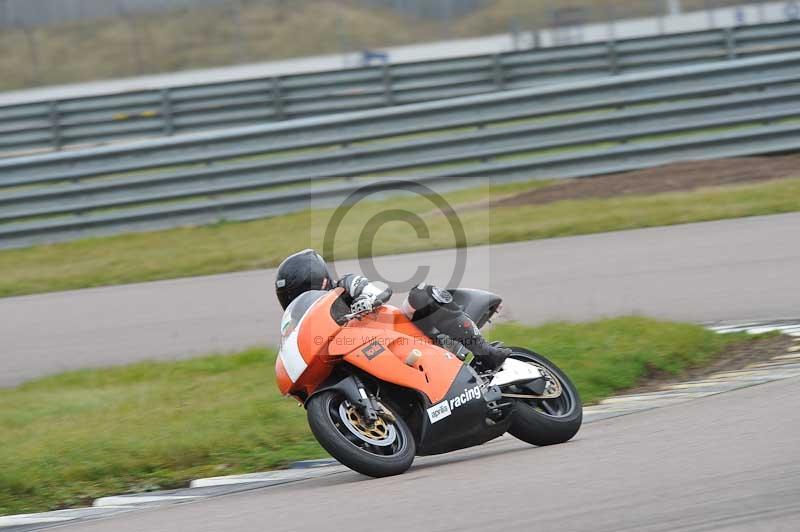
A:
(381, 344)
(390, 347)
(303, 361)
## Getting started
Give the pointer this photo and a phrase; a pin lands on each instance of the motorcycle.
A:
(378, 391)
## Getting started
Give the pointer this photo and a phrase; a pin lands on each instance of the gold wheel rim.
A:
(378, 431)
(382, 433)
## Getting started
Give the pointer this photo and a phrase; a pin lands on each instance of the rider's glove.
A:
(354, 285)
(363, 304)
(365, 296)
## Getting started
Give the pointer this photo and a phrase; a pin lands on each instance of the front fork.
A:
(366, 404)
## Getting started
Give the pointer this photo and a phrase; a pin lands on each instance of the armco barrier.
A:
(103, 119)
(587, 128)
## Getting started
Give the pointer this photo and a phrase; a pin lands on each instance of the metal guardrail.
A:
(102, 119)
(587, 128)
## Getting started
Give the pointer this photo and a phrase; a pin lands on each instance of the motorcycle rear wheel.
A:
(546, 421)
(384, 450)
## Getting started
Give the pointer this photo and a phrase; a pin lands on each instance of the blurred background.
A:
(66, 41)
(623, 173)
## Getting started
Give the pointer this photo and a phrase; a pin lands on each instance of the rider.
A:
(430, 307)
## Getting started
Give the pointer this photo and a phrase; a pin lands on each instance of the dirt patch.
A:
(669, 178)
(734, 358)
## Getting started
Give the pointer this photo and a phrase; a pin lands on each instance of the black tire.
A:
(322, 418)
(531, 422)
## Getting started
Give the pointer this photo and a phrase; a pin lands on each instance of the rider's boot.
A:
(461, 328)
(433, 308)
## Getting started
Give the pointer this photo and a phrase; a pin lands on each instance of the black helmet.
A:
(305, 270)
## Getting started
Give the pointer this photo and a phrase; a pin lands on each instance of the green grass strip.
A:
(71, 438)
(264, 243)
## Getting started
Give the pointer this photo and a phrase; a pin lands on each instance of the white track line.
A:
(136, 500)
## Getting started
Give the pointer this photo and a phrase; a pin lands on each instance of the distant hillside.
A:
(39, 12)
(131, 42)
(497, 17)
(185, 39)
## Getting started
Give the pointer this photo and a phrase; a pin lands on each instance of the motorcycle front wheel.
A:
(547, 420)
(383, 449)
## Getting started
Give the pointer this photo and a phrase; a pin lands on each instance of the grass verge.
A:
(264, 243)
(73, 437)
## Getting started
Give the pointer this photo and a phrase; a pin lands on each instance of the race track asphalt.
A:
(738, 269)
(728, 462)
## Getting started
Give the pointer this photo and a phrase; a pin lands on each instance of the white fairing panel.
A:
(290, 329)
(290, 351)
(515, 371)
